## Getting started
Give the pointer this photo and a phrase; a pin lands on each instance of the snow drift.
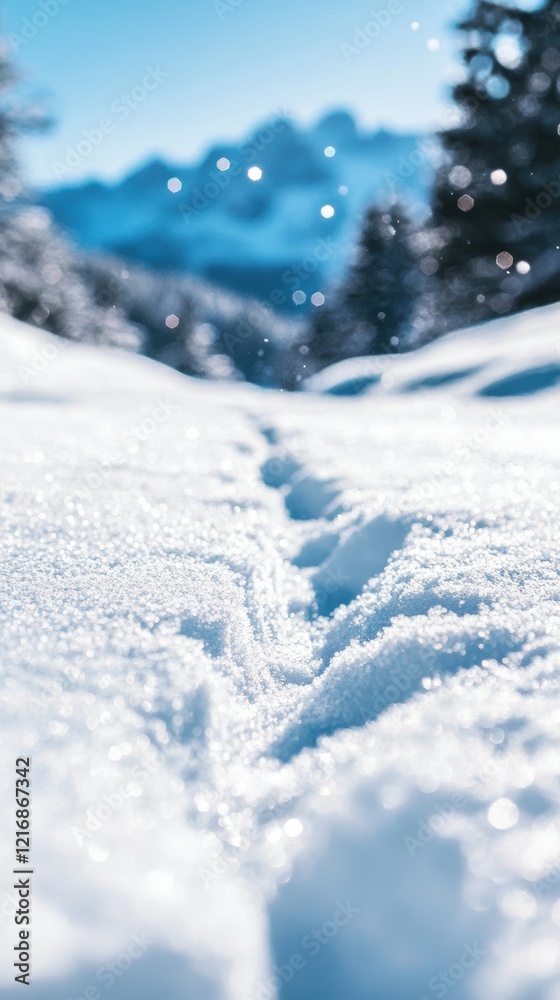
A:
(288, 670)
(514, 356)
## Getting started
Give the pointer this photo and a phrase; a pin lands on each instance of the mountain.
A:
(265, 237)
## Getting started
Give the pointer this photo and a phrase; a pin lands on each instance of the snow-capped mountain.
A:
(288, 226)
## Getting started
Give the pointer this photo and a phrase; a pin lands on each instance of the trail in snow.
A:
(273, 656)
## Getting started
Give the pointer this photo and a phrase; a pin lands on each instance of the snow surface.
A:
(287, 666)
(507, 358)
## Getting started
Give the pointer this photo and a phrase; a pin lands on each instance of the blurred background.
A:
(248, 190)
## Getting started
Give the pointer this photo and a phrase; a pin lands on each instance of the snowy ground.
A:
(288, 670)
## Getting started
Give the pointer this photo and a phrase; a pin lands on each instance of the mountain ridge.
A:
(248, 215)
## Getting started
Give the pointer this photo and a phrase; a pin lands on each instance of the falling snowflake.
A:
(504, 260)
(465, 202)
(460, 176)
(498, 177)
(429, 265)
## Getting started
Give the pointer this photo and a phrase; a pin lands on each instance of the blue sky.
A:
(220, 67)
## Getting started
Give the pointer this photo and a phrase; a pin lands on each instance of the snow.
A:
(513, 356)
(287, 666)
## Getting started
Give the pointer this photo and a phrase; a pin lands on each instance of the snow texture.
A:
(287, 666)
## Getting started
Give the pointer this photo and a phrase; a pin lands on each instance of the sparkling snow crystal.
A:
(288, 670)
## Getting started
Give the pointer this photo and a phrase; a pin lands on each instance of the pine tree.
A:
(379, 291)
(371, 312)
(496, 208)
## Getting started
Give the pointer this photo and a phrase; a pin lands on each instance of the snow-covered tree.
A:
(10, 185)
(41, 283)
(196, 327)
